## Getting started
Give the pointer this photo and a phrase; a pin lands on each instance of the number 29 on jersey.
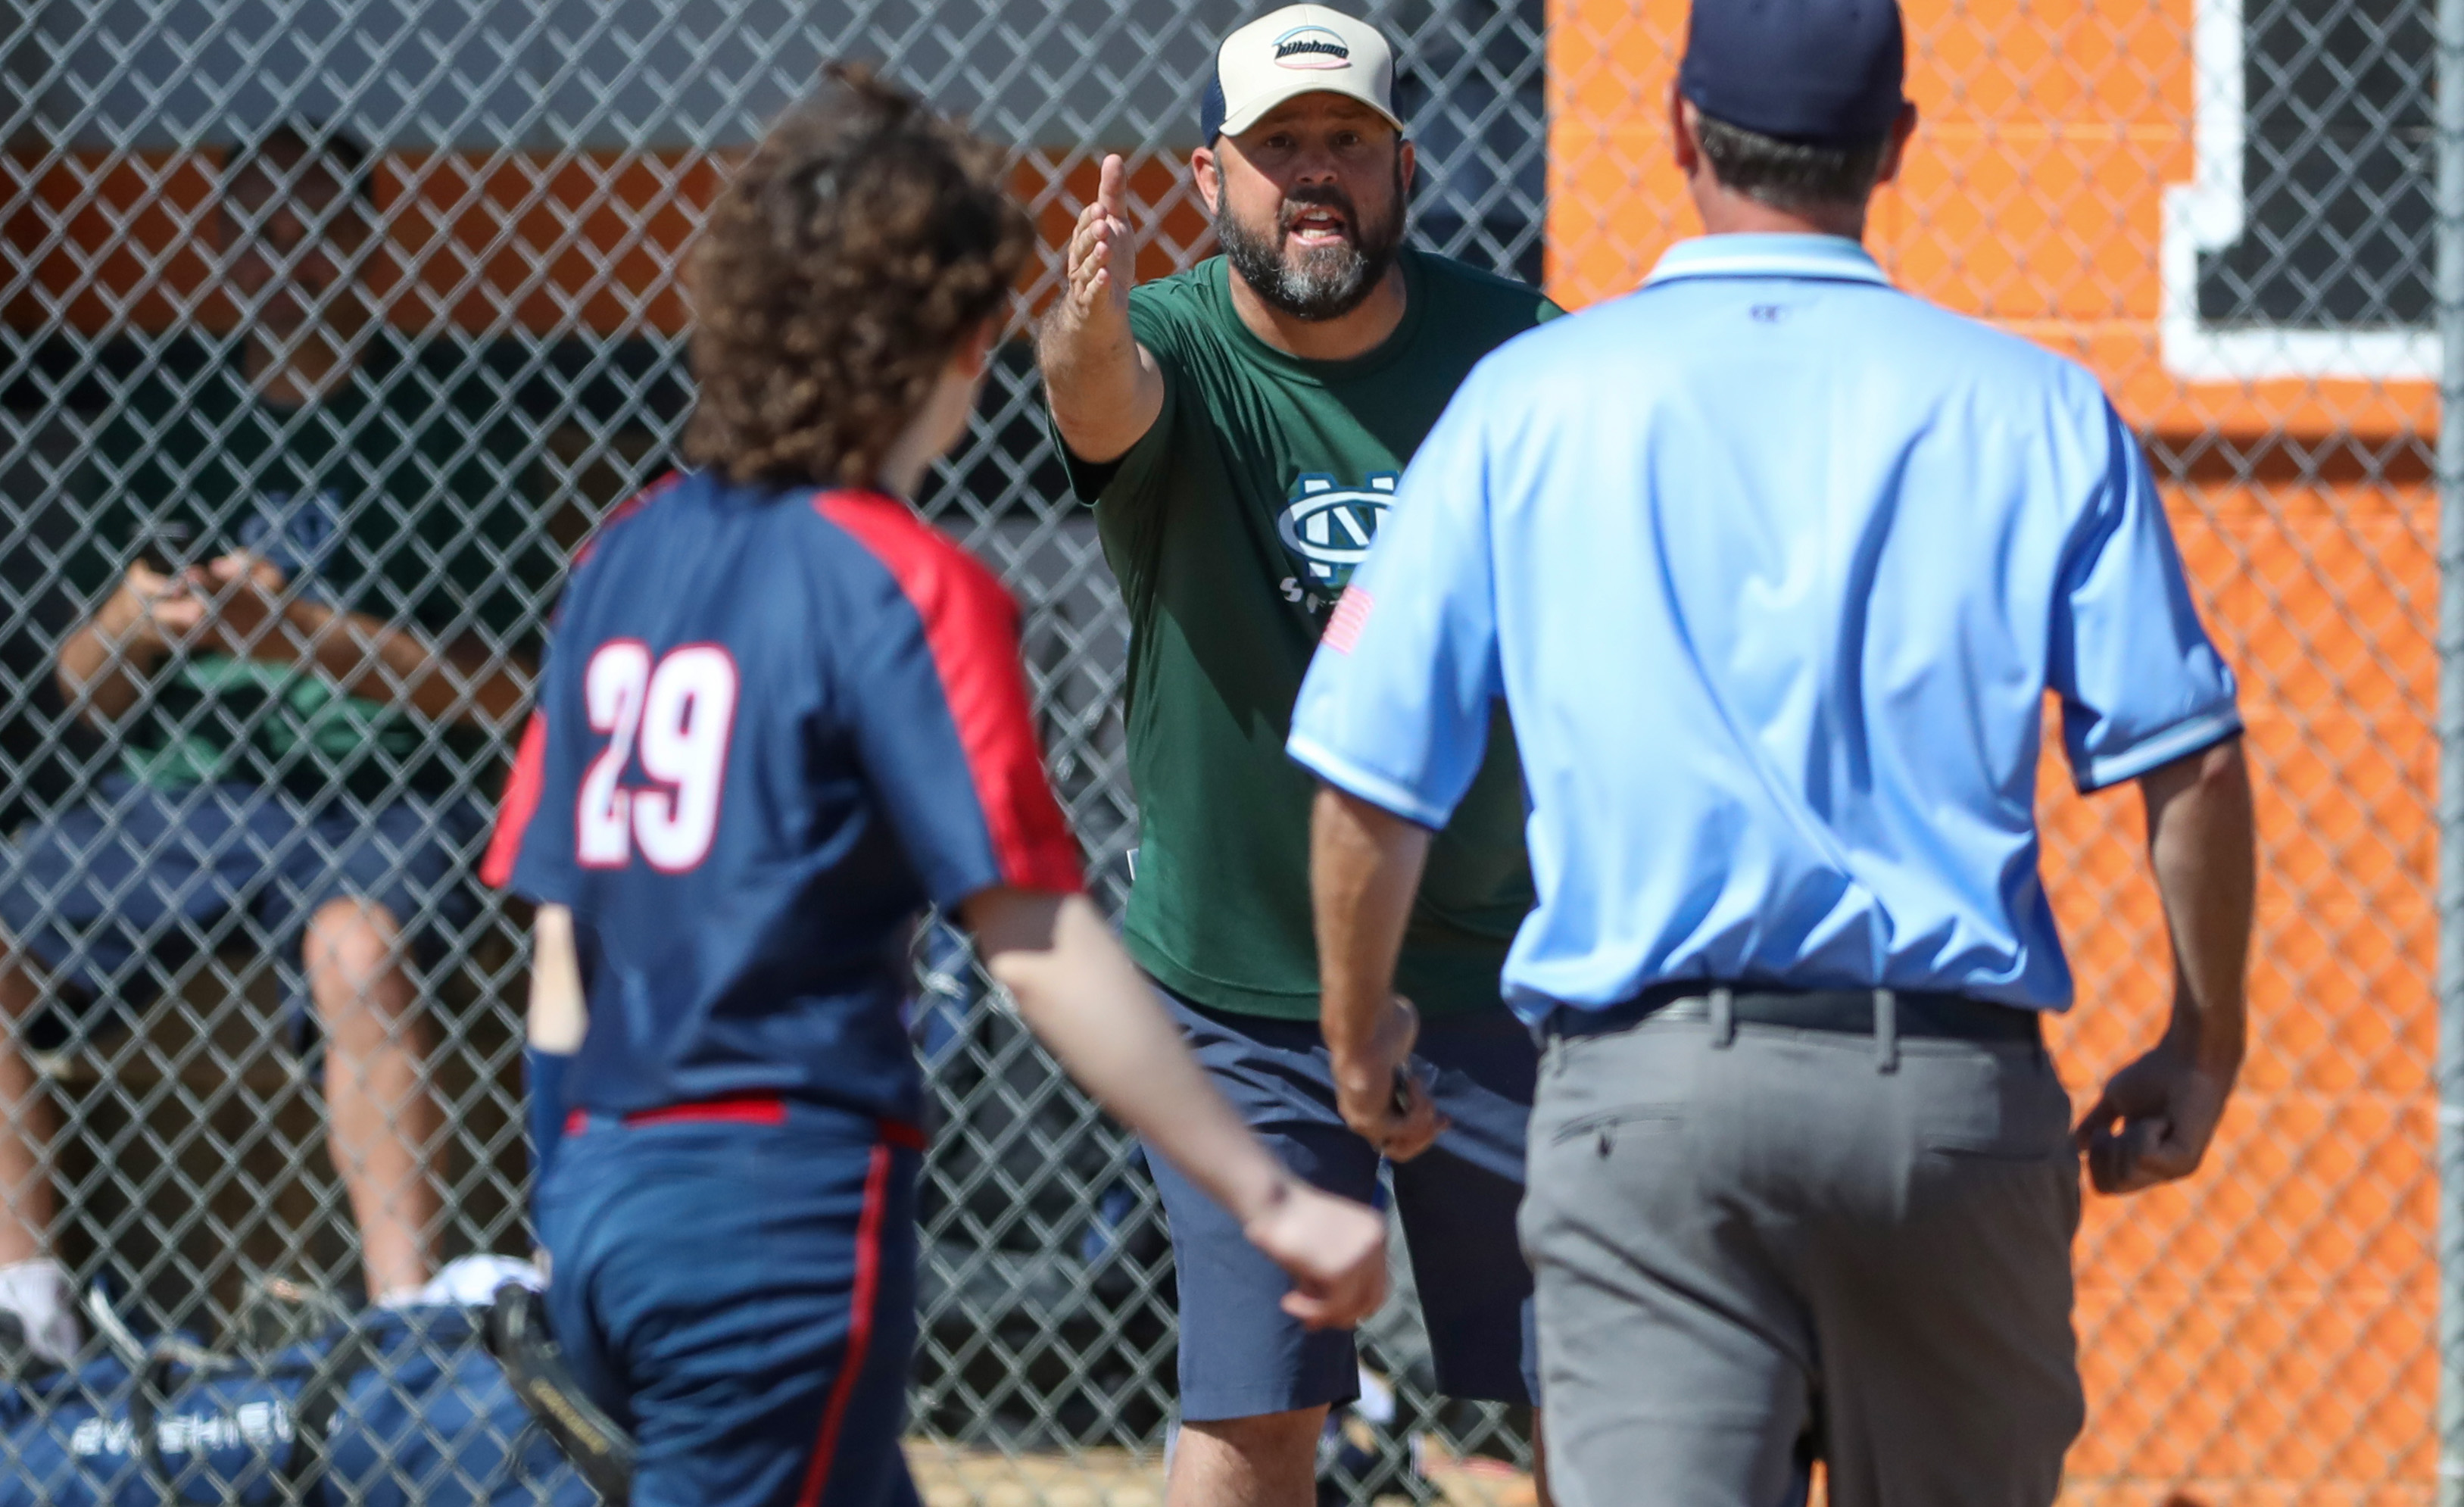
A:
(675, 713)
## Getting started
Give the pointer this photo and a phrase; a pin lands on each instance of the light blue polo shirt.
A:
(1773, 565)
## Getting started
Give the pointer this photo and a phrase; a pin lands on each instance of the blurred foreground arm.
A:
(1088, 1003)
(557, 1014)
(552, 1033)
(2157, 1116)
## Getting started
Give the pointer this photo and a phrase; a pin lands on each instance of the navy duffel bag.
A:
(398, 1408)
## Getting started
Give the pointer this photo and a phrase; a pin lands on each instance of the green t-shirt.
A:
(401, 494)
(1232, 527)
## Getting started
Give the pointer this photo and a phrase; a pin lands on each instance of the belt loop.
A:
(1887, 1031)
(1724, 1017)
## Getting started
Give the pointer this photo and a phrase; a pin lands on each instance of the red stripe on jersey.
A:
(520, 803)
(971, 626)
(868, 1294)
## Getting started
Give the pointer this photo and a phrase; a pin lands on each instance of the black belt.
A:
(1916, 1015)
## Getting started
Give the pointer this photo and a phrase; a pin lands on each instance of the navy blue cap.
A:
(1211, 109)
(1806, 70)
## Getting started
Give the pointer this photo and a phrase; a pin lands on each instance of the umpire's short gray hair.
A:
(1789, 174)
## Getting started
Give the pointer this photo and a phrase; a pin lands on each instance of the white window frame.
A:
(2209, 214)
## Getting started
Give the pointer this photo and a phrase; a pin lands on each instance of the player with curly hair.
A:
(781, 716)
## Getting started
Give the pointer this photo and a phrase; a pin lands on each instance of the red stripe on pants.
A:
(867, 1289)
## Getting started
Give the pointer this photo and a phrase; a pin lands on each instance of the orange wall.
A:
(540, 242)
(2262, 1335)
(587, 242)
(2032, 197)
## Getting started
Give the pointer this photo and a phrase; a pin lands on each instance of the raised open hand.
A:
(1106, 390)
(1100, 253)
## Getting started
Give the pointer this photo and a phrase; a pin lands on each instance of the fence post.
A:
(2450, 752)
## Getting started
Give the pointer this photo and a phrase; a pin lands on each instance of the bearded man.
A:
(1240, 429)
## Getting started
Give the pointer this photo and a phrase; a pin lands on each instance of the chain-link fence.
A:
(239, 1082)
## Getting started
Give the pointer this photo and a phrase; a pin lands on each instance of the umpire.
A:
(1774, 566)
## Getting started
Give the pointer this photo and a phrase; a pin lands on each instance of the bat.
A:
(534, 1364)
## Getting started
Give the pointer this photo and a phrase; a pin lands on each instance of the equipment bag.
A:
(398, 1408)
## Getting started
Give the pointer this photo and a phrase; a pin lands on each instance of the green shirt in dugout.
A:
(400, 495)
(1232, 527)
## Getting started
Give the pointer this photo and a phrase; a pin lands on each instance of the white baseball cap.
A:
(1298, 50)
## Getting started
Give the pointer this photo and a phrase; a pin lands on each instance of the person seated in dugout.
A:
(310, 570)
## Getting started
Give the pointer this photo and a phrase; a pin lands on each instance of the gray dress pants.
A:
(1786, 1244)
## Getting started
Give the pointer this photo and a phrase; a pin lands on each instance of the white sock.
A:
(40, 1293)
(468, 1281)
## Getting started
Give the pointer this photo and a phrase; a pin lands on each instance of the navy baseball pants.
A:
(1241, 1354)
(736, 1283)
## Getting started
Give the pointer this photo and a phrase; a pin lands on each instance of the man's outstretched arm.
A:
(2155, 1119)
(1104, 387)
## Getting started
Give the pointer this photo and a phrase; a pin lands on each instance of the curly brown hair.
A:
(861, 242)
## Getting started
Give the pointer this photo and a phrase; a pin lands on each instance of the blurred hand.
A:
(2154, 1121)
(1380, 1097)
(1334, 1250)
(257, 572)
(243, 594)
(1097, 298)
(151, 611)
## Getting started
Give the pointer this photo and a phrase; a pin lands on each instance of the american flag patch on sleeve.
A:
(1351, 615)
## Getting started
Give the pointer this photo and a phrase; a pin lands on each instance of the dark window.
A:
(2337, 168)
(1471, 85)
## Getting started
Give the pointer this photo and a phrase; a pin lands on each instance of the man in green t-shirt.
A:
(1240, 429)
(310, 573)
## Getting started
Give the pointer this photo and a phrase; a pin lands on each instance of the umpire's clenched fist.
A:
(1100, 256)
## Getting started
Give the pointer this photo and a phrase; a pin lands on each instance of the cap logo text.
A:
(1311, 47)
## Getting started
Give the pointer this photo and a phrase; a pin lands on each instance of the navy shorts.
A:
(1241, 1354)
(115, 895)
(741, 1298)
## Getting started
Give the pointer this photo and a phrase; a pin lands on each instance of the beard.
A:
(1321, 282)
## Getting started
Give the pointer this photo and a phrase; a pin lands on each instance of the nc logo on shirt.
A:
(1328, 529)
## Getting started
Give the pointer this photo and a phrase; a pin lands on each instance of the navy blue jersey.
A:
(772, 726)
